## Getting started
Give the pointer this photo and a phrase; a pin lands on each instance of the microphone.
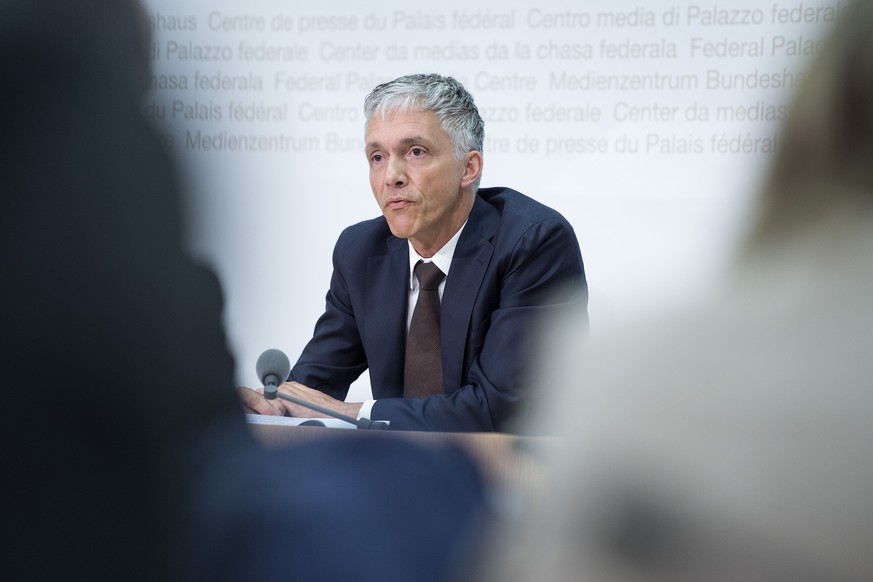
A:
(273, 368)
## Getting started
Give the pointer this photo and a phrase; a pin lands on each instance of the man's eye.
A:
(376, 158)
(417, 152)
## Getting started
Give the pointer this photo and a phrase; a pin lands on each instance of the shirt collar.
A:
(442, 258)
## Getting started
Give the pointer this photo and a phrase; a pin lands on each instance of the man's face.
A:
(422, 189)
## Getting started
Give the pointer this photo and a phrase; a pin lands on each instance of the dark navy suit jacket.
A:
(516, 260)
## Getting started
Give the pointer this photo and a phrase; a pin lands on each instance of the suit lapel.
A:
(469, 264)
(386, 298)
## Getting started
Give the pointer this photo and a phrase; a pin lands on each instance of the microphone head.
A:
(273, 367)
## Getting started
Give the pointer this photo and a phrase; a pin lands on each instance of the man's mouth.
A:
(396, 203)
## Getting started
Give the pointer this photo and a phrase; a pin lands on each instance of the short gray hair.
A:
(445, 96)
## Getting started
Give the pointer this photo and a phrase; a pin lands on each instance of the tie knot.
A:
(429, 275)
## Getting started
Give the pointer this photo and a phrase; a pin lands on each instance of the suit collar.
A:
(471, 260)
(386, 295)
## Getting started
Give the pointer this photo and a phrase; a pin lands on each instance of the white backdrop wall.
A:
(646, 124)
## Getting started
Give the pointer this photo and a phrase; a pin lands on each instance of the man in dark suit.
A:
(512, 261)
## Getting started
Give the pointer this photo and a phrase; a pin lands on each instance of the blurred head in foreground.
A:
(126, 451)
(820, 184)
(734, 442)
(112, 348)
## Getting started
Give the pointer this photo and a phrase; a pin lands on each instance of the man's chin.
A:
(398, 228)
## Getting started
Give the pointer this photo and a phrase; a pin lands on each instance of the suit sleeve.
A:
(542, 275)
(334, 357)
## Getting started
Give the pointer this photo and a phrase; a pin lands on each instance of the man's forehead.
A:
(396, 116)
(403, 127)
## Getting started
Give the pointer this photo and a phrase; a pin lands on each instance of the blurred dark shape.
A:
(126, 456)
(114, 358)
(371, 507)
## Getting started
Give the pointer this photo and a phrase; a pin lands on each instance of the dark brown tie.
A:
(424, 366)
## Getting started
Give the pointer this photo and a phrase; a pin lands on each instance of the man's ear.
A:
(472, 168)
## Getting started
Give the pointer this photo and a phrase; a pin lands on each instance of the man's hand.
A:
(302, 392)
(253, 401)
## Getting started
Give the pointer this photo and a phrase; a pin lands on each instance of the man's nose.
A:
(395, 174)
